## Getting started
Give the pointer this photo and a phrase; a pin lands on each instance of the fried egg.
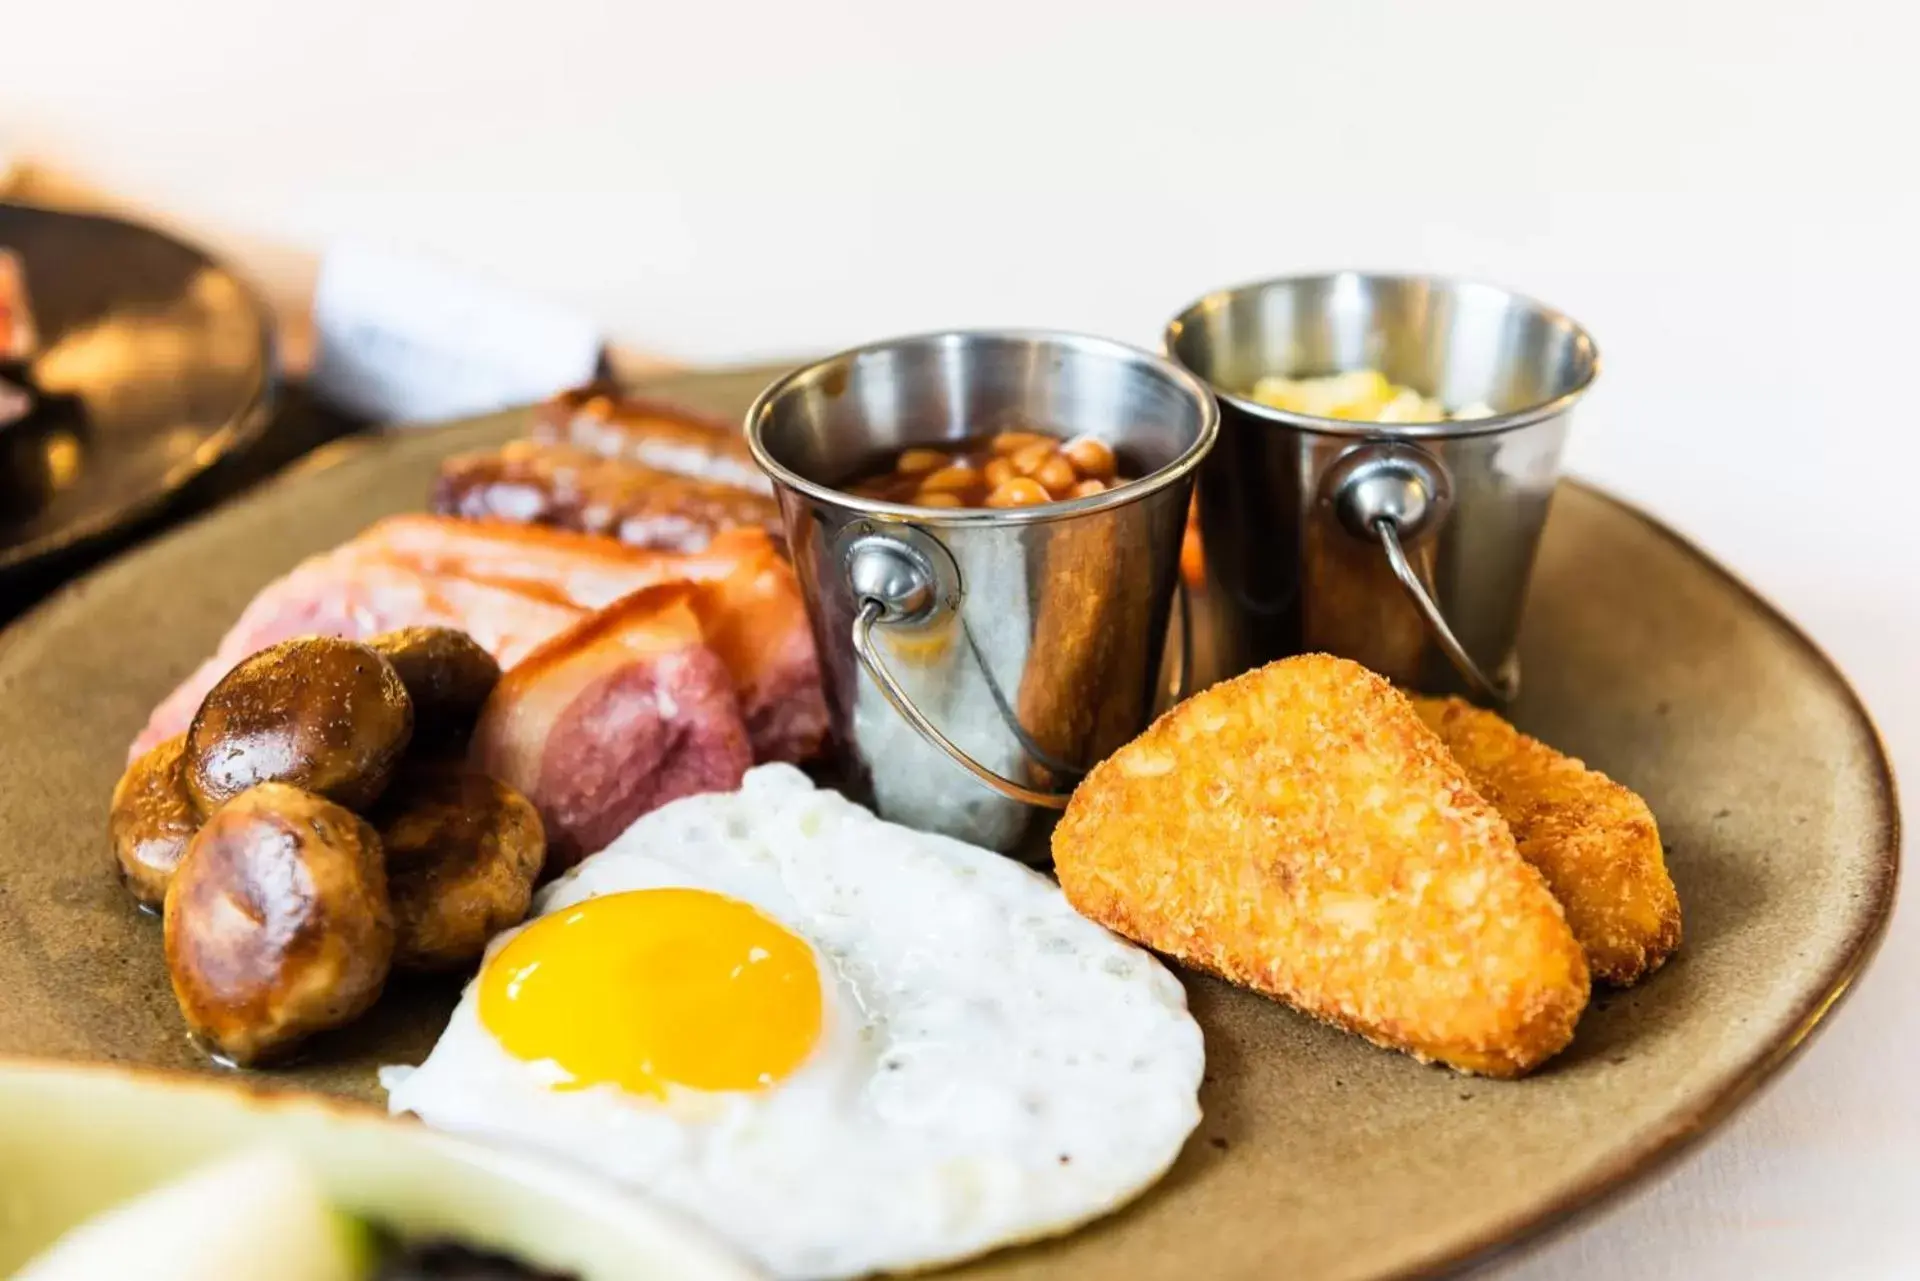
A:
(844, 1045)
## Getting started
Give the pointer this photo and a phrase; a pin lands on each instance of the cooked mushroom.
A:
(463, 851)
(327, 715)
(277, 922)
(447, 675)
(152, 820)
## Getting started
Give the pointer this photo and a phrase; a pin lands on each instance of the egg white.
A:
(992, 1067)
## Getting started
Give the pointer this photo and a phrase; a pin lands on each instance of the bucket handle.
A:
(894, 582)
(1388, 492)
(872, 609)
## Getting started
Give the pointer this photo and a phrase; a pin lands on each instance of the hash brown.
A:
(1299, 830)
(1594, 840)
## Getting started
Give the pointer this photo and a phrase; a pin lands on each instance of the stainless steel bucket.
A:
(978, 661)
(1406, 547)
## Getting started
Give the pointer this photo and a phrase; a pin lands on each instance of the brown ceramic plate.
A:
(154, 363)
(1320, 1157)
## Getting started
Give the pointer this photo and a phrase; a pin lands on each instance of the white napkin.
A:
(409, 340)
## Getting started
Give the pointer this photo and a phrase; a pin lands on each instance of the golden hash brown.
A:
(1299, 830)
(1594, 840)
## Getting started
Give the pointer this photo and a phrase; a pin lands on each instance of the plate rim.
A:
(1679, 1137)
(245, 425)
(1685, 1133)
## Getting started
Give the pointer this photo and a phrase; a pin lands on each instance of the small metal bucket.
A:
(1020, 644)
(1406, 546)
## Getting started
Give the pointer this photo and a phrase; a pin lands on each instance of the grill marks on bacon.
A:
(668, 438)
(547, 483)
(583, 569)
(649, 474)
(355, 592)
(527, 593)
(639, 668)
(749, 607)
(616, 716)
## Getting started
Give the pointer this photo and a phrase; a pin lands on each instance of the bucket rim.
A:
(1446, 429)
(1179, 468)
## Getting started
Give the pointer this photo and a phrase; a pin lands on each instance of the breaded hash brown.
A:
(1300, 831)
(1594, 840)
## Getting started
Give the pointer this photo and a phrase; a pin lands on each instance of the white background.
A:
(1724, 192)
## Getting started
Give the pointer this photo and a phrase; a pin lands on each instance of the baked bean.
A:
(952, 480)
(1030, 459)
(1019, 492)
(916, 462)
(1090, 457)
(1057, 475)
(1009, 442)
(1006, 469)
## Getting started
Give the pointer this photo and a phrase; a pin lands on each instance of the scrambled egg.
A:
(1359, 395)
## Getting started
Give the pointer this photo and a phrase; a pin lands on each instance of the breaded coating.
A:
(1594, 840)
(1300, 831)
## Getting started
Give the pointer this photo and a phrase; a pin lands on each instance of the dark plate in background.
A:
(154, 364)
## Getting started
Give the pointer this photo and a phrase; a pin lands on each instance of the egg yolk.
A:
(652, 989)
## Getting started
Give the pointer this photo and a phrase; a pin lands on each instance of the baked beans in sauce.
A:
(1000, 469)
